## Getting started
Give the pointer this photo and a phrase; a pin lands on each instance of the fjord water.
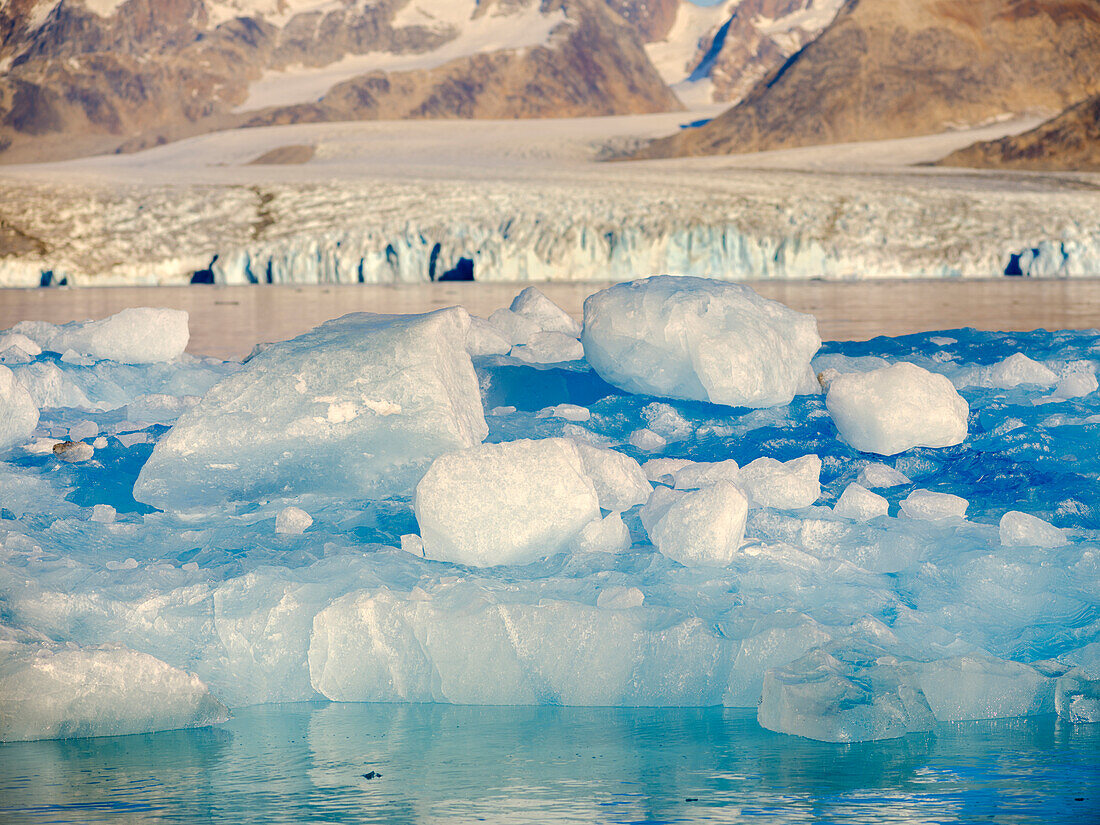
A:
(442, 763)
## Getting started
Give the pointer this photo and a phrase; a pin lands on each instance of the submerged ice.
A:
(439, 508)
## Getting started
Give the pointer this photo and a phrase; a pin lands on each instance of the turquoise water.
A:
(439, 763)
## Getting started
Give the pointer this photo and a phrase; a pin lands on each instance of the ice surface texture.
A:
(755, 558)
(698, 339)
(358, 405)
(18, 412)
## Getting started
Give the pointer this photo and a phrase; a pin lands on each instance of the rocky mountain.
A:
(716, 54)
(887, 69)
(83, 76)
(1068, 142)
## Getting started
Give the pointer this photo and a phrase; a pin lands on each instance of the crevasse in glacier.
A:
(389, 509)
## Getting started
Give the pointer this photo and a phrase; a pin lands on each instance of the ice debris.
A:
(18, 412)
(704, 528)
(893, 409)
(932, 506)
(694, 338)
(293, 521)
(1024, 530)
(860, 504)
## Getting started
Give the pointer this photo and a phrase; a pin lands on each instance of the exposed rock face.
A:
(652, 18)
(1068, 142)
(82, 76)
(886, 69)
(717, 54)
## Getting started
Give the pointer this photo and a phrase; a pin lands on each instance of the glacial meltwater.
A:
(309, 762)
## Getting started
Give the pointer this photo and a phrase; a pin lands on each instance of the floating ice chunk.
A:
(664, 420)
(412, 543)
(860, 504)
(71, 356)
(982, 687)
(891, 410)
(942, 340)
(1019, 369)
(567, 412)
(103, 513)
(1077, 695)
(128, 440)
(620, 483)
(25, 344)
(1077, 381)
(549, 348)
(99, 443)
(606, 535)
(73, 451)
(881, 475)
(141, 335)
(663, 470)
(18, 412)
(485, 339)
(647, 441)
(517, 329)
(843, 695)
(505, 503)
(1023, 530)
(356, 407)
(293, 521)
(789, 485)
(532, 304)
(618, 597)
(48, 692)
(699, 339)
(929, 506)
(698, 474)
(704, 528)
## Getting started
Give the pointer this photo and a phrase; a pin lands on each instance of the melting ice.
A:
(880, 537)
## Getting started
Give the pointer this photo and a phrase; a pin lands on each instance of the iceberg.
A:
(357, 407)
(140, 335)
(699, 339)
(894, 409)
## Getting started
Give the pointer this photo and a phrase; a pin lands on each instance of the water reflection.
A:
(439, 763)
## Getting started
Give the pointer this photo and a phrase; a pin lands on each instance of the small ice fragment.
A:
(292, 521)
(100, 442)
(485, 339)
(73, 451)
(860, 504)
(704, 528)
(618, 597)
(568, 412)
(604, 535)
(891, 410)
(128, 440)
(1077, 381)
(516, 329)
(789, 485)
(929, 506)
(698, 339)
(664, 420)
(502, 410)
(1024, 530)
(548, 348)
(699, 474)
(532, 304)
(1018, 369)
(25, 344)
(620, 483)
(18, 412)
(83, 430)
(129, 564)
(507, 503)
(412, 543)
(103, 513)
(874, 476)
(942, 341)
(647, 441)
(71, 356)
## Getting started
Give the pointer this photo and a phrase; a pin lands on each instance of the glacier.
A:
(739, 557)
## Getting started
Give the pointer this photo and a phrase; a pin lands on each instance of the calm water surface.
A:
(438, 763)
